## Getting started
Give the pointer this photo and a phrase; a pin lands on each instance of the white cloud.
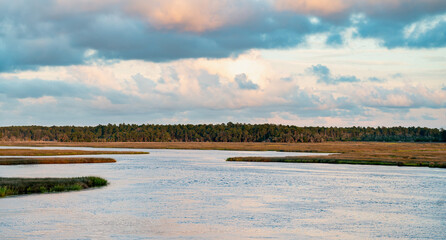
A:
(205, 90)
(416, 29)
(38, 101)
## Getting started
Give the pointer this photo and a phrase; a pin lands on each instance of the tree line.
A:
(226, 132)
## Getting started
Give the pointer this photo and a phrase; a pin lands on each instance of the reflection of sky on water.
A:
(193, 194)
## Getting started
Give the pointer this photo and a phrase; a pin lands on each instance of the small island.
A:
(19, 186)
(53, 160)
(338, 160)
(365, 153)
(56, 152)
(44, 156)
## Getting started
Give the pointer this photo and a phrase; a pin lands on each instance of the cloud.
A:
(334, 39)
(428, 117)
(207, 80)
(392, 9)
(397, 75)
(43, 92)
(403, 97)
(244, 83)
(245, 88)
(62, 33)
(324, 76)
(38, 101)
(36, 88)
(319, 7)
(376, 79)
(422, 32)
(189, 16)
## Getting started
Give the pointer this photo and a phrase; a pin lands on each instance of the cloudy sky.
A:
(300, 62)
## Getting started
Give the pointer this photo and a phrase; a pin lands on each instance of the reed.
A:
(405, 153)
(49, 160)
(331, 160)
(45, 152)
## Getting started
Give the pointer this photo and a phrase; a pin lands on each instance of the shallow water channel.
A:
(196, 194)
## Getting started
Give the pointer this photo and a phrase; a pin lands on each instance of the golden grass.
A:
(339, 159)
(49, 160)
(358, 151)
(43, 152)
(368, 153)
(244, 146)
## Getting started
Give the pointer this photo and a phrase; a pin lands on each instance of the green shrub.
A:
(3, 191)
(42, 189)
(96, 181)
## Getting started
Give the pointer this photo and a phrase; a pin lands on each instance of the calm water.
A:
(195, 194)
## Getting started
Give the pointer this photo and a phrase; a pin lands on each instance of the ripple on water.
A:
(192, 194)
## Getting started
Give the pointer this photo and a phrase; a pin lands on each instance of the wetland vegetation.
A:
(386, 153)
(64, 152)
(19, 186)
(365, 153)
(335, 160)
(53, 160)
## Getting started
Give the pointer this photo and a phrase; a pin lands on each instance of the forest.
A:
(226, 132)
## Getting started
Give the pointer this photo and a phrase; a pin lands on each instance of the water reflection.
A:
(190, 194)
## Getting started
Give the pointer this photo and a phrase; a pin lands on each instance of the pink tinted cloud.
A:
(330, 8)
(189, 16)
(323, 7)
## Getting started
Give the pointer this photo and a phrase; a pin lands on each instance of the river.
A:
(196, 194)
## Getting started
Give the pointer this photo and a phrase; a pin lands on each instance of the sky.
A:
(295, 62)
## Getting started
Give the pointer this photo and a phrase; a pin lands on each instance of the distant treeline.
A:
(229, 132)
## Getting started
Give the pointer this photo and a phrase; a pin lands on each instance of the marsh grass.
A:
(384, 153)
(325, 147)
(45, 152)
(67, 160)
(339, 160)
(18, 186)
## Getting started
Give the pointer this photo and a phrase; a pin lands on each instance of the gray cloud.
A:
(48, 33)
(143, 83)
(207, 80)
(397, 98)
(244, 83)
(14, 89)
(36, 88)
(334, 39)
(375, 79)
(428, 117)
(324, 76)
(428, 31)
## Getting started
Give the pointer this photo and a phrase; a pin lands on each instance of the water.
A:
(195, 194)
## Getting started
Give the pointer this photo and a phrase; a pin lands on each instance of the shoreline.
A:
(329, 160)
(382, 153)
(322, 147)
(55, 152)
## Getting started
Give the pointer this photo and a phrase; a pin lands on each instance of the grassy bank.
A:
(326, 147)
(367, 153)
(18, 186)
(340, 160)
(45, 152)
(49, 160)
(363, 152)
